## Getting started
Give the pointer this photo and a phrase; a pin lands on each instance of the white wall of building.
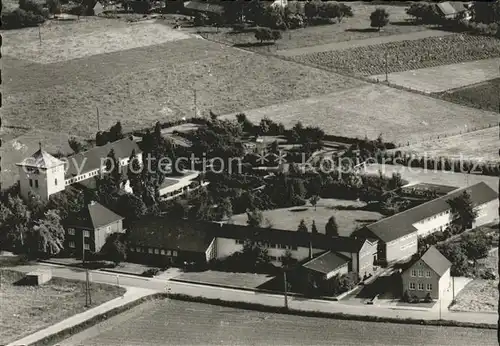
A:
(433, 224)
(43, 182)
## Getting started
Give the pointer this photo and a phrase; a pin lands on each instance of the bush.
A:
(54, 6)
(379, 18)
(263, 34)
(19, 18)
(295, 21)
(488, 275)
(406, 297)
(142, 7)
(76, 10)
(428, 298)
(31, 6)
(151, 272)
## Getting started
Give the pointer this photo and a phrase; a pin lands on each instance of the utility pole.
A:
(286, 288)
(88, 297)
(453, 286)
(386, 76)
(40, 35)
(98, 120)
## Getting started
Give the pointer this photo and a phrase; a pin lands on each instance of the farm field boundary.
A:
(443, 78)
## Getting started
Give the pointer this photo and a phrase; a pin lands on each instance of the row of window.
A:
(408, 236)
(154, 251)
(409, 245)
(271, 246)
(71, 231)
(72, 245)
(436, 216)
(420, 273)
(420, 286)
(36, 183)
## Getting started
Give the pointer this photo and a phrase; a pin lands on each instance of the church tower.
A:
(41, 174)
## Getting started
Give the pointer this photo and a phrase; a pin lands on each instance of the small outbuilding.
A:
(37, 278)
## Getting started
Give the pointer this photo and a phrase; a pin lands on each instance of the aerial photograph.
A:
(249, 172)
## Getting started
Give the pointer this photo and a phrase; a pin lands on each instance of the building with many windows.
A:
(428, 275)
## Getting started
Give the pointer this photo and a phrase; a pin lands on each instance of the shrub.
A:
(142, 7)
(276, 35)
(295, 21)
(31, 6)
(54, 6)
(379, 18)
(263, 34)
(19, 18)
(488, 275)
(406, 297)
(428, 298)
(76, 10)
(151, 272)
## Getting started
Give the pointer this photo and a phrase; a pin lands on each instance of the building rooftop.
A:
(166, 233)
(94, 216)
(435, 260)
(439, 189)
(401, 224)
(91, 159)
(326, 262)
(41, 159)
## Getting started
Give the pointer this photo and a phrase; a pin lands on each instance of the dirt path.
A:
(362, 43)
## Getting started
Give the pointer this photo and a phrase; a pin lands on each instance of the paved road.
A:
(169, 322)
(362, 43)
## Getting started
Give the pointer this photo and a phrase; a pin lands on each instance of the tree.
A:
(395, 181)
(379, 18)
(255, 10)
(225, 208)
(287, 259)
(76, 145)
(486, 11)
(135, 174)
(344, 11)
(131, 206)
(457, 256)
(331, 228)
(255, 218)
(314, 229)
(463, 210)
(263, 34)
(54, 6)
(116, 132)
(114, 249)
(113, 168)
(475, 246)
(48, 234)
(314, 201)
(254, 254)
(302, 227)
(276, 35)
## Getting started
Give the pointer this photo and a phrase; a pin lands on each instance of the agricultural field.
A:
(480, 295)
(401, 117)
(482, 95)
(480, 145)
(349, 29)
(348, 214)
(405, 55)
(143, 85)
(27, 309)
(183, 323)
(442, 78)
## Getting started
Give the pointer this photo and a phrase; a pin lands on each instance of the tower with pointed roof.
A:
(41, 174)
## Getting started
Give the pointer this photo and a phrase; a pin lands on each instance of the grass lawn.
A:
(347, 220)
(483, 95)
(480, 295)
(481, 145)
(355, 28)
(374, 109)
(405, 55)
(244, 280)
(447, 77)
(143, 85)
(27, 309)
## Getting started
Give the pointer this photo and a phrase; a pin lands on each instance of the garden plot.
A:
(62, 41)
(405, 55)
(400, 116)
(482, 96)
(480, 145)
(442, 78)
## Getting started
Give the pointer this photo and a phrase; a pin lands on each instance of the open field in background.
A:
(184, 323)
(289, 218)
(16, 149)
(27, 309)
(141, 86)
(419, 175)
(441, 78)
(375, 109)
(63, 41)
(405, 55)
(480, 295)
(479, 145)
(483, 95)
(355, 28)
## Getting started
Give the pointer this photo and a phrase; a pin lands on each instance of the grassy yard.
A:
(482, 95)
(143, 85)
(27, 309)
(355, 28)
(405, 55)
(481, 145)
(244, 280)
(480, 295)
(348, 214)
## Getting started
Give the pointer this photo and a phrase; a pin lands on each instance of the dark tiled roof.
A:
(166, 233)
(204, 6)
(91, 159)
(326, 262)
(41, 159)
(401, 224)
(94, 216)
(278, 236)
(435, 259)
